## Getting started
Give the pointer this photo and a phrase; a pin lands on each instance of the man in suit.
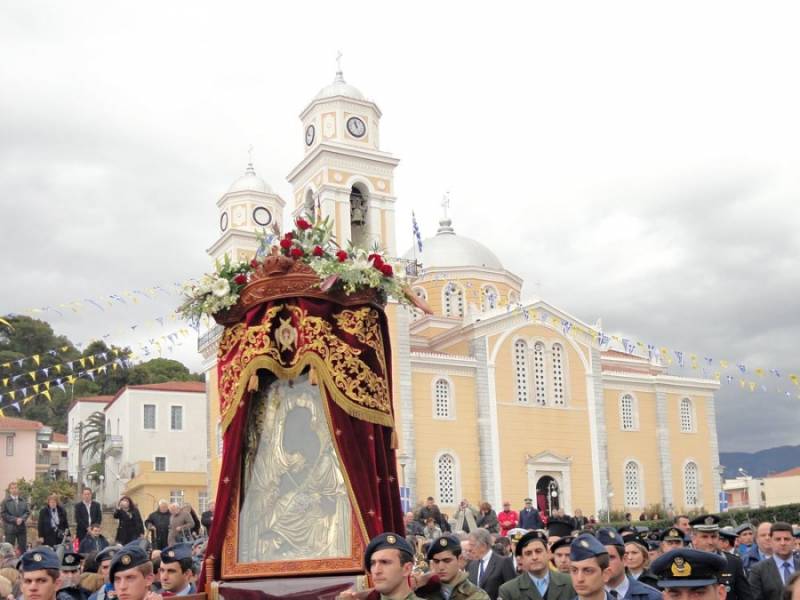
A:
(762, 549)
(537, 581)
(529, 517)
(15, 512)
(768, 577)
(488, 570)
(620, 585)
(705, 537)
(87, 511)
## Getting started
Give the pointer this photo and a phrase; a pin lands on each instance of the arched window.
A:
(513, 297)
(540, 382)
(453, 301)
(442, 400)
(686, 416)
(633, 497)
(358, 216)
(559, 399)
(488, 298)
(446, 479)
(521, 370)
(627, 415)
(691, 484)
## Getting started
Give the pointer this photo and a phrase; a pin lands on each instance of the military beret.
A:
(386, 541)
(728, 533)
(445, 543)
(708, 523)
(71, 561)
(39, 558)
(516, 534)
(176, 553)
(560, 543)
(673, 534)
(688, 568)
(529, 537)
(743, 527)
(586, 546)
(559, 527)
(608, 537)
(107, 553)
(128, 557)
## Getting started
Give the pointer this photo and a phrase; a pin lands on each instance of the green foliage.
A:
(159, 370)
(93, 435)
(37, 491)
(787, 512)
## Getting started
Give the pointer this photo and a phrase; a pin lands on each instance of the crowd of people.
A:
(172, 538)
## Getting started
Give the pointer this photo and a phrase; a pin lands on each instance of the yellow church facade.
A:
(496, 396)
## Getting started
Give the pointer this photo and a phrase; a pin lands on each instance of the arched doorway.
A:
(548, 495)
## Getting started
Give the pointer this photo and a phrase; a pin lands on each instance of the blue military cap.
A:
(128, 557)
(444, 543)
(176, 552)
(384, 541)
(39, 558)
(586, 546)
(71, 561)
(744, 527)
(609, 537)
(107, 553)
(653, 545)
(688, 568)
(531, 536)
(729, 534)
(707, 523)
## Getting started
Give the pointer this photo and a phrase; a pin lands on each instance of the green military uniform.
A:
(523, 588)
(411, 596)
(462, 589)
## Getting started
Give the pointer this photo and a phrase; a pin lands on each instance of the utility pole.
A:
(79, 482)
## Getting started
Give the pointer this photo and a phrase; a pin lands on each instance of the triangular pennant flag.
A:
(83, 362)
(35, 387)
(12, 393)
(32, 375)
(46, 394)
(91, 360)
(36, 359)
(58, 369)
(5, 381)
(46, 370)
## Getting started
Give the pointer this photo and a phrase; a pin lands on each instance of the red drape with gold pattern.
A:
(348, 349)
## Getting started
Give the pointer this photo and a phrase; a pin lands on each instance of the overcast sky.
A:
(631, 161)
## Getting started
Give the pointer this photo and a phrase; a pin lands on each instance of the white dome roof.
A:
(339, 87)
(446, 249)
(250, 182)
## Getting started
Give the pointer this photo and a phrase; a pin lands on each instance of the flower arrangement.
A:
(311, 242)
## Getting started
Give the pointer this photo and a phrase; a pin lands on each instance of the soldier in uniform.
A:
(40, 571)
(559, 550)
(175, 572)
(746, 535)
(450, 581)
(705, 537)
(103, 561)
(589, 568)
(389, 559)
(620, 585)
(71, 578)
(672, 538)
(537, 581)
(131, 573)
(727, 539)
(687, 574)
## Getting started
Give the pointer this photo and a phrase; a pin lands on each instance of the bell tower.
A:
(344, 174)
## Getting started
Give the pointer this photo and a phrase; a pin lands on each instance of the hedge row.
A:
(789, 513)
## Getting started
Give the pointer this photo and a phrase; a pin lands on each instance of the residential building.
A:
(79, 411)
(29, 449)
(782, 488)
(744, 492)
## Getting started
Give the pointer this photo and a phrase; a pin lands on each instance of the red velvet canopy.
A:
(345, 344)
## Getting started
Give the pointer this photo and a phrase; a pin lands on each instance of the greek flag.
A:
(405, 498)
(415, 227)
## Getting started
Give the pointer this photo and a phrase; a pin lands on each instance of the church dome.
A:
(447, 249)
(339, 87)
(250, 182)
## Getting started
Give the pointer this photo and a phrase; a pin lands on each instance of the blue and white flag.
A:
(415, 227)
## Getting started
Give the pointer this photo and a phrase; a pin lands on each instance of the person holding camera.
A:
(130, 521)
(53, 525)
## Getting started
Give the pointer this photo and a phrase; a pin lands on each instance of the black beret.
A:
(446, 543)
(107, 553)
(688, 568)
(560, 543)
(529, 537)
(385, 541)
(709, 523)
(39, 558)
(559, 527)
(129, 557)
(71, 561)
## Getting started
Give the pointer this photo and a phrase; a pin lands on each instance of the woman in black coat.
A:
(52, 522)
(130, 521)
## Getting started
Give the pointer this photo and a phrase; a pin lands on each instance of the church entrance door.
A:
(547, 495)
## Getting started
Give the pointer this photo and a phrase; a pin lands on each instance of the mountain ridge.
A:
(762, 463)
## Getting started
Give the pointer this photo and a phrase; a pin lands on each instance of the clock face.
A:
(262, 216)
(356, 127)
(310, 131)
(223, 221)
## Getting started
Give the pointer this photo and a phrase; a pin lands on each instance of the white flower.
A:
(221, 288)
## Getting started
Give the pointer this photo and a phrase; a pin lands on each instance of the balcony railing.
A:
(113, 444)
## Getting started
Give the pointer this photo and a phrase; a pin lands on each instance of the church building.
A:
(497, 396)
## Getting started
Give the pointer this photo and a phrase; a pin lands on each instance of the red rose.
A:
(318, 251)
(254, 263)
(341, 255)
(377, 261)
(296, 252)
(289, 235)
(387, 270)
(241, 279)
(286, 244)
(303, 224)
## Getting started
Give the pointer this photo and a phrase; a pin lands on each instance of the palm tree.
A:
(93, 438)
